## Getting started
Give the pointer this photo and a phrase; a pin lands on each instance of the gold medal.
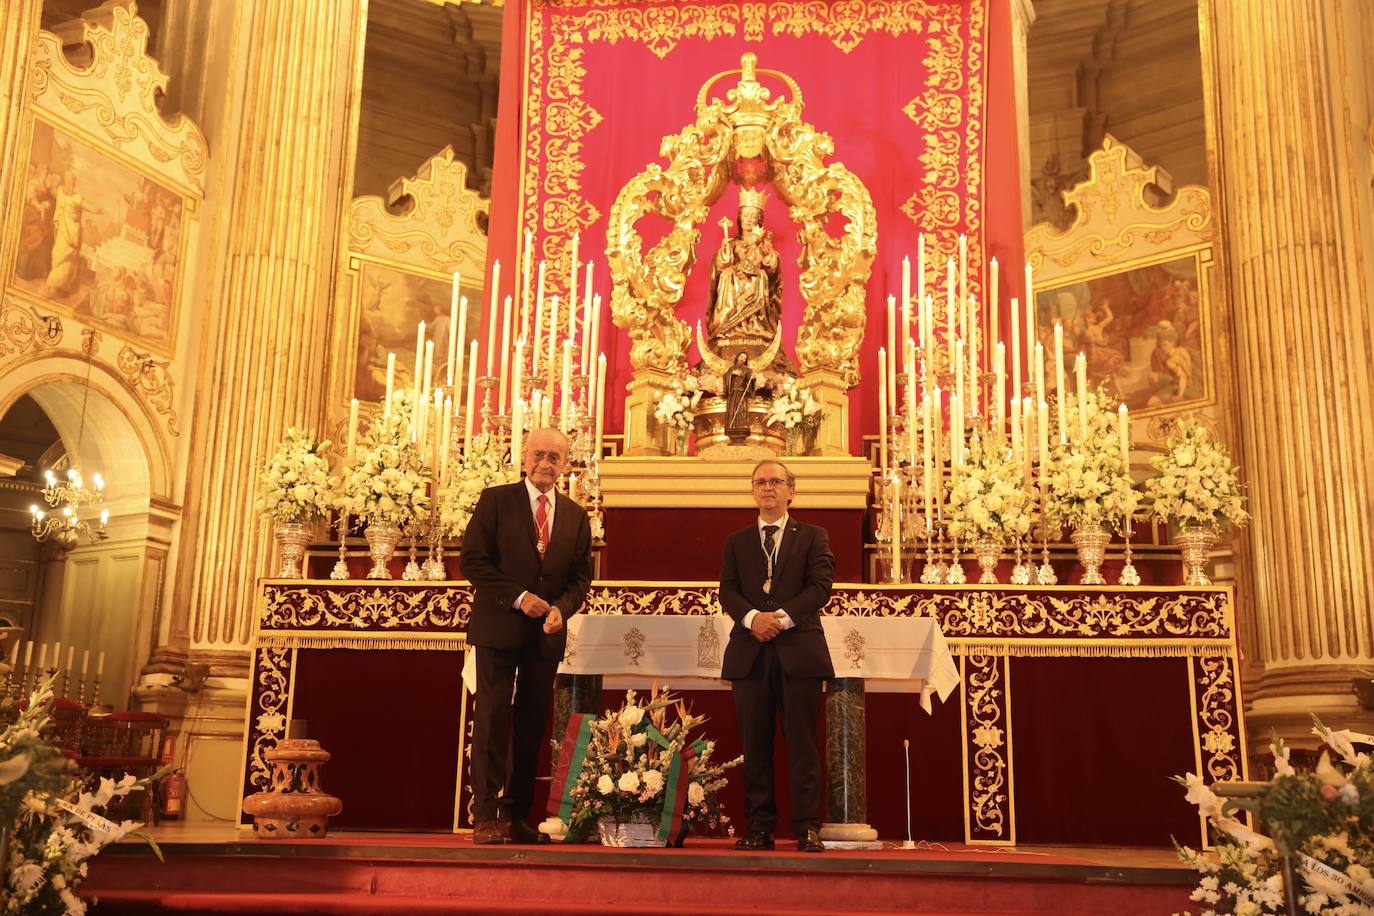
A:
(540, 545)
(767, 585)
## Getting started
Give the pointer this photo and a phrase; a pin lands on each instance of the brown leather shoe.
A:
(810, 841)
(489, 833)
(525, 835)
(755, 841)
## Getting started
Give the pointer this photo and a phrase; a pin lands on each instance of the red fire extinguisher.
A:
(172, 787)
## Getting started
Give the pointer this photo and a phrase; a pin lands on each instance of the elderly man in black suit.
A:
(774, 580)
(528, 553)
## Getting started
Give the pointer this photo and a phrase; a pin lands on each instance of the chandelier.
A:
(69, 497)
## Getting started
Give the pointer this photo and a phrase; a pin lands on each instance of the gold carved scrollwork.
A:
(152, 381)
(23, 329)
(985, 730)
(833, 270)
(268, 716)
(374, 608)
(1217, 723)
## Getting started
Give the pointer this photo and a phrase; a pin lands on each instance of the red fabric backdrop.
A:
(917, 96)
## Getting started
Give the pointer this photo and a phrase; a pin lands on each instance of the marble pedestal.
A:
(846, 770)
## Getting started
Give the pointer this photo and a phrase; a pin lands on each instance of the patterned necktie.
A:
(769, 552)
(541, 523)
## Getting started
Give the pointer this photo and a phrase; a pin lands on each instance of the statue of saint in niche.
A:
(738, 382)
(746, 289)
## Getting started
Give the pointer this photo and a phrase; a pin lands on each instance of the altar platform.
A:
(221, 870)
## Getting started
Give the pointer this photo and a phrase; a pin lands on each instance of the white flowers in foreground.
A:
(1089, 482)
(987, 497)
(1196, 483)
(295, 486)
(387, 483)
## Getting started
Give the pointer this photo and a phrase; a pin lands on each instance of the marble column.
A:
(266, 307)
(1293, 87)
(18, 31)
(846, 764)
(1022, 17)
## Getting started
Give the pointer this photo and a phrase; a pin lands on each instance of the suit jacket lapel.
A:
(520, 504)
(789, 546)
(563, 521)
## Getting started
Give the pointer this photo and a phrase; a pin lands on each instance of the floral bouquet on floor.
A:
(481, 466)
(52, 815)
(1323, 819)
(636, 775)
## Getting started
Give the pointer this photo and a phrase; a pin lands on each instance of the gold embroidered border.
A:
(988, 814)
(559, 117)
(267, 715)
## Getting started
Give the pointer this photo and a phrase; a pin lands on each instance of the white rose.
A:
(638, 740)
(629, 782)
(695, 794)
(605, 786)
(631, 716)
(653, 782)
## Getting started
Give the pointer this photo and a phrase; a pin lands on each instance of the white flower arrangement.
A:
(295, 486)
(987, 495)
(1089, 481)
(624, 773)
(1196, 483)
(55, 829)
(677, 408)
(388, 480)
(794, 407)
(481, 466)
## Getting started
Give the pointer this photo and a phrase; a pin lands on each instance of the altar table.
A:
(1067, 694)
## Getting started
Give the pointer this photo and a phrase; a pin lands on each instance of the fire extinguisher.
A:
(172, 787)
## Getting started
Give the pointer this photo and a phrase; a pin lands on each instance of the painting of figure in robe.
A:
(99, 238)
(1142, 330)
(391, 303)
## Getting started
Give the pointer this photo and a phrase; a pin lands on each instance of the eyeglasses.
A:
(540, 456)
(772, 482)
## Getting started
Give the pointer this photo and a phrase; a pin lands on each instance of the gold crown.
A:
(749, 198)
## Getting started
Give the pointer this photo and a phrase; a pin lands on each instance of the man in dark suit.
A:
(528, 553)
(774, 580)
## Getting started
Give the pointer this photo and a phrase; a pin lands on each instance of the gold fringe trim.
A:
(455, 643)
(1054, 649)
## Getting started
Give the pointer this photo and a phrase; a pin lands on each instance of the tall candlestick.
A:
(100, 665)
(445, 439)
(951, 313)
(1059, 379)
(451, 350)
(956, 430)
(470, 419)
(1016, 350)
(963, 270)
(535, 350)
(1125, 430)
(921, 277)
(493, 316)
(352, 429)
(927, 456)
(14, 655)
(1031, 330)
(600, 403)
(1040, 371)
(572, 276)
(42, 656)
(1080, 371)
(28, 653)
(911, 400)
(85, 661)
(993, 306)
(999, 368)
(906, 307)
(1016, 429)
(515, 373)
(462, 345)
(882, 412)
(526, 276)
(505, 357)
(517, 433)
(937, 426)
(417, 380)
(896, 568)
(587, 320)
(1043, 413)
(959, 373)
(1027, 408)
(553, 342)
(565, 405)
(892, 350)
(429, 366)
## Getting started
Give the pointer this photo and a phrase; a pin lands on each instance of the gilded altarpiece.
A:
(397, 269)
(107, 209)
(987, 629)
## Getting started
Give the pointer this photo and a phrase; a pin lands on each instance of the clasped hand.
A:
(533, 606)
(766, 625)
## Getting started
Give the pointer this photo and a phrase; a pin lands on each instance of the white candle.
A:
(911, 400)
(892, 351)
(1027, 408)
(493, 317)
(587, 295)
(600, 403)
(1080, 370)
(896, 567)
(565, 405)
(963, 270)
(28, 653)
(906, 309)
(517, 434)
(535, 351)
(1040, 371)
(417, 379)
(429, 366)
(453, 342)
(999, 368)
(993, 306)
(956, 430)
(42, 656)
(417, 434)
(505, 357)
(1059, 379)
(85, 661)
(14, 655)
(927, 456)
(1016, 350)
(515, 375)
(100, 665)
(959, 374)
(1044, 430)
(1016, 429)
(445, 435)
(525, 277)
(937, 426)
(470, 419)
(572, 278)
(951, 313)
(594, 334)
(553, 342)
(1125, 429)
(546, 412)
(882, 412)
(921, 275)
(461, 345)
(352, 429)
(1029, 304)
(390, 383)
(57, 654)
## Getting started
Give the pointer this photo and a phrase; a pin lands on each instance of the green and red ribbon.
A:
(571, 756)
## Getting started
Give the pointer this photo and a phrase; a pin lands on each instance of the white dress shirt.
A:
(534, 494)
(787, 622)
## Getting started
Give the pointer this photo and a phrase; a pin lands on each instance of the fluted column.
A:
(1022, 17)
(18, 29)
(1294, 114)
(264, 330)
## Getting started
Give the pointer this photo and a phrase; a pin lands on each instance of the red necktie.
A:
(541, 523)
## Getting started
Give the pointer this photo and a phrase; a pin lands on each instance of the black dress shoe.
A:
(755, 841)
(810, 841)
(525, 835)
(489, 833)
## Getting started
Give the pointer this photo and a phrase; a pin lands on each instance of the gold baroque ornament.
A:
(1217, 723)
(748, 125)
(366, 608)
(987, 770)
(23, 329)
(151, 380)
(271, 691)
